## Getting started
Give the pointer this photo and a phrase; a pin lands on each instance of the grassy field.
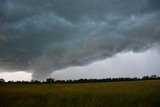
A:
(110, 94)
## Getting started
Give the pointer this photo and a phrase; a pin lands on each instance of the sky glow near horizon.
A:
(121, 65)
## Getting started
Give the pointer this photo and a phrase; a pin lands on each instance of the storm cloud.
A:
(42, 36)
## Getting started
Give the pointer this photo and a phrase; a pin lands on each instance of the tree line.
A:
(53, 81)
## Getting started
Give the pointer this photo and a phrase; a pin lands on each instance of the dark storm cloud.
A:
(48, 35)
(155, 3)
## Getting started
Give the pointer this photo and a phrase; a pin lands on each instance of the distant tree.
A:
(60, 81)
(50, 80)
(32, 80)
(35, 81)
(10, 81)
(135, 78)
(2, 80)
(145, 77)
(153, 76)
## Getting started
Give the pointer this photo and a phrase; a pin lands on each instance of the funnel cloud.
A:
(43, 36)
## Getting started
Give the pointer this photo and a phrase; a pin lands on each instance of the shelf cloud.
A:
(42, 36)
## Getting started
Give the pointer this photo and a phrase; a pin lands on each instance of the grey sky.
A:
(41, 37)
(121, 65)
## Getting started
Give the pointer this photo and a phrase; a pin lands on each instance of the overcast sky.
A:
(72, 39)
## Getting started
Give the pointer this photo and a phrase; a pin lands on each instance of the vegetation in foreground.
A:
(110, 94)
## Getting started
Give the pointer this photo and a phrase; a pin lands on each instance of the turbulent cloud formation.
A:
(49, 35)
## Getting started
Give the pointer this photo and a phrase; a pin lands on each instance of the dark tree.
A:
(145, 78)
(50, 80)
(153, 76)
(2, 80)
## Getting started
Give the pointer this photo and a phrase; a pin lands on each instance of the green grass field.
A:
(110, 94)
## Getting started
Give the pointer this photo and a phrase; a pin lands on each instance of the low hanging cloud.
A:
(45, 36)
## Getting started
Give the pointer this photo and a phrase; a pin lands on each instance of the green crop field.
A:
(109, 94)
